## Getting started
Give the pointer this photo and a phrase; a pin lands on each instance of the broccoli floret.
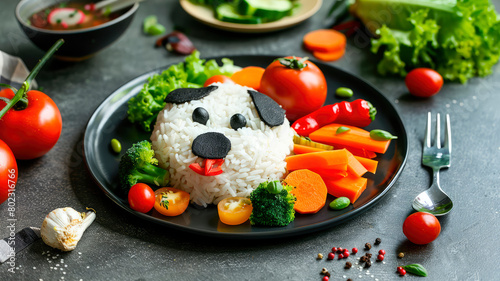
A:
(272, 204)
(138, 165)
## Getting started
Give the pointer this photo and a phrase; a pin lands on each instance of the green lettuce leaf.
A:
(458, 38)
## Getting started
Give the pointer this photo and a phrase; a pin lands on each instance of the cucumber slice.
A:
(270, 10)
(308, 142)
(228, 13)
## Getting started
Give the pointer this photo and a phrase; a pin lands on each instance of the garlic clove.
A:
(64, 227)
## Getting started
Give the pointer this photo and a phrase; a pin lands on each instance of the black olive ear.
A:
(183, 95)
(270, 112)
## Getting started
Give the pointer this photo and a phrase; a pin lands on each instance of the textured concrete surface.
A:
(119, 246)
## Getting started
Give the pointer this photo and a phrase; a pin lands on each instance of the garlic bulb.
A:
(63, 227)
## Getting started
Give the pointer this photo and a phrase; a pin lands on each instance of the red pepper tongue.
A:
(209, 167)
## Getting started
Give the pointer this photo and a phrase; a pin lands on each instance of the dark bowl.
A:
(80, 44)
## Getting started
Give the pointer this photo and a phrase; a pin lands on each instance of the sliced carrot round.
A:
(324, 40)
(310, 191)
(329, 56)
(249, 76)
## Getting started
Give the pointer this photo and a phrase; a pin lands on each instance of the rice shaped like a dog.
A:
(255, 152)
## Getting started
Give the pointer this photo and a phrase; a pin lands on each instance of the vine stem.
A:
(21, 93)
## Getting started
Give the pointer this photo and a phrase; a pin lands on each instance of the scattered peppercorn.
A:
(381, 252)
(401, 255)
(349, 279)
(324, 271)
(325, 278)
(328, 274)
(341, 256)
(380, 257)
(401, 271)
(334, 249)
(354, 250)
(368, 246)
(346, 255)
(378, 241)
(368, 263)
(368, 255)
(340, 249)
(320, 256)
(348, 265)
(363, 259)
(331, 256)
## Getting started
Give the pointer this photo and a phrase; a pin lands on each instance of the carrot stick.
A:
(358, 151)
(329, 56)
(355, 137)
(310, 191)
(333, 160)
(350, 187)
(249, 76)
(324, 40)
(369, 164)
(301, 149)
(354, 167)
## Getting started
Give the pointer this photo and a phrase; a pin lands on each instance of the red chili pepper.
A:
(358, 113)
(210, 167)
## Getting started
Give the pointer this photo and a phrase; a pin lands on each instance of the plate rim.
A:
(250, 28)
(279, 232)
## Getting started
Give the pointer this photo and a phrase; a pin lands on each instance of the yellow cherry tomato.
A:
(234, 210)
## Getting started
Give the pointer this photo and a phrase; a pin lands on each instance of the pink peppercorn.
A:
(354, 250)
(380, 257)
(334, 249)
(331, 256)
(325, 278)
(382, 252)
(341, 256)
(340, 250)
(346, 254)
(401, 271)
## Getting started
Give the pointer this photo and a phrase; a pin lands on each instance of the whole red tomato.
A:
(299, 91)
(141, 198)
(423, 82)
(421, 228)
(33, 131)
(218, 78)
(8, 171)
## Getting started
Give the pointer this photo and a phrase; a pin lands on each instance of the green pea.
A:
(340, 203)
(342, 129)
(274, 187)
(344, 92)
(116, 145)
(381, 135)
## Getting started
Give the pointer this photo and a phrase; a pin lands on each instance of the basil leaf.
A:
(381, 135)
(416, 269)
(342, 129)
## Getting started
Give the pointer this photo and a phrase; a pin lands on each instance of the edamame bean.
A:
(340, 203)
(116, 145)
(344, 92)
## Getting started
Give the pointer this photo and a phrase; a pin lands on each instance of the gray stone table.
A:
(119, 246)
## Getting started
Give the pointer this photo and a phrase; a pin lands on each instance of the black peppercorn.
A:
(368, 255)
(368, 246)
(348, 265)
(362, 259)
(349, 279)
(378, 241)
(368, 263)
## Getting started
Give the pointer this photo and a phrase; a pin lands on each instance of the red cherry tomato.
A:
(421, 228)
(141, 198)
(218, 78)
(33, 131)
(298, 91)
(8, 172)
(423, 82)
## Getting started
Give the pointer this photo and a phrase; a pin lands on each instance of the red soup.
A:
(72, 15)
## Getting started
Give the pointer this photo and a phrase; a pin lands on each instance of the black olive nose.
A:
(211, 145)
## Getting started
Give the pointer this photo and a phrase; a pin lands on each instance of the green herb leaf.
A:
(152, 27)
(164, 200)
(274, 187)
(381, 135)
(342, 130)
(416, 269)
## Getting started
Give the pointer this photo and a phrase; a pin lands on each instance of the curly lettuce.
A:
(458, 38)
(192, 73)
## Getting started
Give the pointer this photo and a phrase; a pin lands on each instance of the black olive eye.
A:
(238, 121)
(200, 115)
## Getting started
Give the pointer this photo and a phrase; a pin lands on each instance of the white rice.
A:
(257, 151)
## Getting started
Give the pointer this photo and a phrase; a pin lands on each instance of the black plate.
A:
(110, 121)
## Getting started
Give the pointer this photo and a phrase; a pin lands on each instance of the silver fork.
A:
(434, 200)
